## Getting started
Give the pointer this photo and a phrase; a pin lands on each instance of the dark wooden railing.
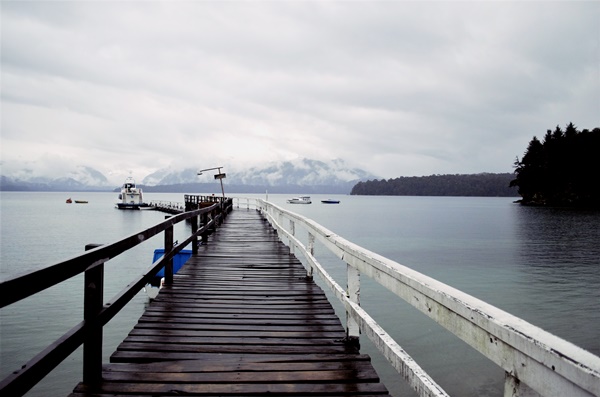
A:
(97, 313)
(194, 202)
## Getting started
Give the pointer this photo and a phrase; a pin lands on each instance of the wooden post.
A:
(293, 233)
(168, 248)
(204, 222)
(93, 302)
(194, 221)
(213, 215)
(513, 387)
(311, 250)
(353, 292)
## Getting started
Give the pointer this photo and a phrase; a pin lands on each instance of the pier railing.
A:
(536, 363)
(97, 313)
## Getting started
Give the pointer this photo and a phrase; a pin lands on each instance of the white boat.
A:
(300, 200)
(131, 196)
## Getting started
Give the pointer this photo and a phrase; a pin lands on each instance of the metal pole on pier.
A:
(220, 176)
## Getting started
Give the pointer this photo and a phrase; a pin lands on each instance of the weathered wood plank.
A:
(248, 328)
(235, 375)
(237, 389)
(220, 340)
(235, 310)
(217, 358)
(361, 362)
(252, 346)
(238, 334)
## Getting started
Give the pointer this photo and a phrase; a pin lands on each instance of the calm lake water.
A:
(540, 264)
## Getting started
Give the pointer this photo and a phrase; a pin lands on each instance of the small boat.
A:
(81, 201)
(330, 201)
(69, 201)
(300, 200)
(131, 197)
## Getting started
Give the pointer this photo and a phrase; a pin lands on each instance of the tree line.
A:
(484, 184)
(561, 170)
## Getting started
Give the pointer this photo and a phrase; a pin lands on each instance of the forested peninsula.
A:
(484, 184)
(561, 170)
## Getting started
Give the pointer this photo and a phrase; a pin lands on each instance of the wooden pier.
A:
(241, 318)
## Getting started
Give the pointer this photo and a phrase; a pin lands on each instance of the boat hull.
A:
(133, 206)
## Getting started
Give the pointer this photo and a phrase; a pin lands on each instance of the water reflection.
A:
(558, 253)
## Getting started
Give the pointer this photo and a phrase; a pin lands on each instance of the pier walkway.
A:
(241, 318)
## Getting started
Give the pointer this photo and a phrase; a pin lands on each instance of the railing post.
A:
(219, 212)
(311, 250)
(213, 216)
(353, 292)
(93, 301)
(168, 248)
(280, 218)
(513, 387)
(293, 233)
(194, 221)
(204, 222)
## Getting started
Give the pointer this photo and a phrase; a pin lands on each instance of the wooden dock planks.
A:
(241, 319)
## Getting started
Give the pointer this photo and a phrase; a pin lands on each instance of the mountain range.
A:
(300, 176)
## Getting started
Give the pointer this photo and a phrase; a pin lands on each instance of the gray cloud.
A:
(397, 88)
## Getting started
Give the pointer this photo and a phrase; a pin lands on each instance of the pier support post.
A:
(168, 248)
(93, 302)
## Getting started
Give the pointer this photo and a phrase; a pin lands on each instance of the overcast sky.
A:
(398, 88)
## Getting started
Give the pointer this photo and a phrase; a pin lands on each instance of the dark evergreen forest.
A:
(485, 184)
(561, 170)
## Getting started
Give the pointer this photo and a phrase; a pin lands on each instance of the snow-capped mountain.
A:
(168, 176)
(302, 175)
(304, 172)
(79, 178)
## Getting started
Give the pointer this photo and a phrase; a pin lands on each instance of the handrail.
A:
(535, 362)
(97, 314)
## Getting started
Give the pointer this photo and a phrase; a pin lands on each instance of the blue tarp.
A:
(178, 260)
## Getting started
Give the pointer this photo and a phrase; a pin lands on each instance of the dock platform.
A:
(241, 319)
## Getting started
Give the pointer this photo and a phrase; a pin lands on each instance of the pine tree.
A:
(562, 170)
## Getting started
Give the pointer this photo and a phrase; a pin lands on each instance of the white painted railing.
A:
(536, 362)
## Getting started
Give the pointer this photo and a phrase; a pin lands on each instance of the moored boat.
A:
(300, 200)
(81, 201)
(330, 201)
(69, 201)
(131, 196)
